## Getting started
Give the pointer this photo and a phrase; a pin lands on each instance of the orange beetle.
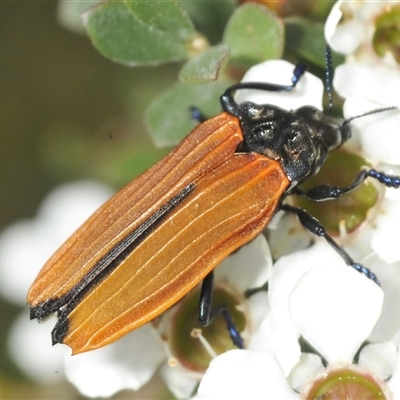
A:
(158, 237)
(166, 231)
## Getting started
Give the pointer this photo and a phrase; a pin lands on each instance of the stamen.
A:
(373, 253)
(172, 362)
(342, 230)
(197, 333)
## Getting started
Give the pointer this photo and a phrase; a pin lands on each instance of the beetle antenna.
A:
(345, 129)
(376, 111)
(329, 76)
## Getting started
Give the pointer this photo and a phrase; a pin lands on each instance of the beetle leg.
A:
(388, 180)
(197, 115)
(327, 192)
(314, 226)
(229, 104)
(207, 315)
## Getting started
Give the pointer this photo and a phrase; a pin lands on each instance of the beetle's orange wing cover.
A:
(212, 201)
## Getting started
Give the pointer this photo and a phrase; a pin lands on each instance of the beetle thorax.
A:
(294, 138)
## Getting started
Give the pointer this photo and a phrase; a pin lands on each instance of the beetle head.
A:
(300, 140)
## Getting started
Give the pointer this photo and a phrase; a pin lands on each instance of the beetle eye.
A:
(318, 115)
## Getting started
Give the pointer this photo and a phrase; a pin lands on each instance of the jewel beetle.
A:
(166, 231)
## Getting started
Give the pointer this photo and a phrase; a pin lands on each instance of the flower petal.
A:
(285, 275)
(309, 90)
(305, 371)
(243, 374)
(343, 37)
(248, 268)
(31, 349)
(394, 382)
(287, 235)
(278, 332)
(389, 322)
(376, 133)
(384, 238)
(279, 339)
(125, 364)
(258, 308)
(335, 308)
(180, 381)
(379, 358)
(378, 84)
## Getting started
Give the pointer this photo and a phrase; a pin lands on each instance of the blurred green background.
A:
(65, 113)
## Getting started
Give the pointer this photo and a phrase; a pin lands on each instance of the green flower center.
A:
(387, 34)
(346, 383)
(340, 169)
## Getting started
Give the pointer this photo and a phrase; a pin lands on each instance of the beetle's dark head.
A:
(335, 131)
(300, 140)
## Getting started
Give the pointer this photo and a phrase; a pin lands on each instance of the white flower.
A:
(244, 374)
(303, 291)
(313, 295)
(351, 26)
(368, 88)
(368, 82)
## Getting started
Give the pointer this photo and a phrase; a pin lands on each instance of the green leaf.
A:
(307, 40)
(168, 116)
(135, 32)
(254, 34)
(210, 17)
(165, 16)
(206, 66)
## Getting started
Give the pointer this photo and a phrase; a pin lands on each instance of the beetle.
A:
(166, 231)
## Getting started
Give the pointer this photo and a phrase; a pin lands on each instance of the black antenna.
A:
(329, 76)
(376, 111)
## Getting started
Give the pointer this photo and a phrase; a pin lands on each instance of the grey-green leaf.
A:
(306, 39)
(168, 116)
(210, 17)
(254, 34)
(206, 66)
(135, 32)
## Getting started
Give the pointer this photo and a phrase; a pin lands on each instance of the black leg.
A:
(207, 315)
(197, 115)
(326, 192)
(229, 104)
(314, 226)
